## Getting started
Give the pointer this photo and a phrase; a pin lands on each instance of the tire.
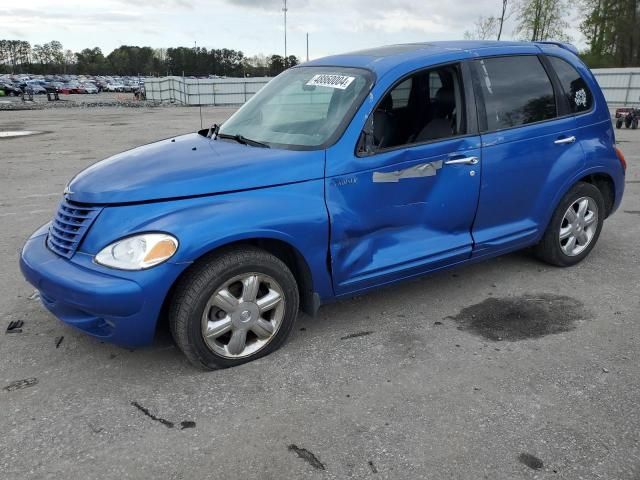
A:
(619, 123)
(634, 124)
(193, 308)
(554, 250)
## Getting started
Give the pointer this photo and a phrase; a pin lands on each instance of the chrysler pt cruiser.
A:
(341, 175)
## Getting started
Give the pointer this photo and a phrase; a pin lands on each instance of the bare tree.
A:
(543, 19)
(484, 28)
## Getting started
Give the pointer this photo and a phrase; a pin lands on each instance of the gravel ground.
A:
(501, 370)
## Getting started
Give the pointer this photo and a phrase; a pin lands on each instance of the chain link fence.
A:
(621, 87)
(208, 91)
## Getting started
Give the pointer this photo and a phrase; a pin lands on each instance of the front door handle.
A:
(564, 141)
(464, 160)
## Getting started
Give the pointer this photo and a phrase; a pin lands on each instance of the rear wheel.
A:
(234, 307)
(619, 123)
(574, 228)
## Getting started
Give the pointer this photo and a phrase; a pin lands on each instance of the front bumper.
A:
(115, 306)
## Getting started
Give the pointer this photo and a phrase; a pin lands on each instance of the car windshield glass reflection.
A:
(303, 107)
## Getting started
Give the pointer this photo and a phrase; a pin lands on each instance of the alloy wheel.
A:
(243, 315)
(578, 226)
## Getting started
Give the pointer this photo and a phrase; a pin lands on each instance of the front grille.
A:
(69, 227)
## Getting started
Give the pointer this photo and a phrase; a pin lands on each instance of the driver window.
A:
(422, 108)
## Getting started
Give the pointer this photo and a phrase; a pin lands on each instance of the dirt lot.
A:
(501, 370)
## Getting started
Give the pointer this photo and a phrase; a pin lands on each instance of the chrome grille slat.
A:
(69, 226)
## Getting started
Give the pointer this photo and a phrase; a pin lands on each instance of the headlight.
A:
(138, 252)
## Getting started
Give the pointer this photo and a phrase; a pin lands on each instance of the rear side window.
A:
(575, 88)
(516, 91)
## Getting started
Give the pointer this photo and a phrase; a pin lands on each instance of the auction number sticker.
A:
(332, 81)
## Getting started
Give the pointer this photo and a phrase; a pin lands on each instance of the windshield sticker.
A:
(332, 81)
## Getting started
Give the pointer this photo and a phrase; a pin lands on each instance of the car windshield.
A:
(302, 108)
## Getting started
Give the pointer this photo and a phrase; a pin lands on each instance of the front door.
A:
(408, 206)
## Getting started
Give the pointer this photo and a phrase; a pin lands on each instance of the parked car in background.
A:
(90, 88)
(114, 87)
(35, 88)
(54, 87)
(10, 90)
(341, 175)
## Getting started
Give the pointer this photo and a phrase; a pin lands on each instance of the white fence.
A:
(214, 91)
(621, 86)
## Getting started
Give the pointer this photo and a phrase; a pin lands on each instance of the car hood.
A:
(191, 165)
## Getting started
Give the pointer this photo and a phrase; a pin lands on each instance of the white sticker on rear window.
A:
(332, 81)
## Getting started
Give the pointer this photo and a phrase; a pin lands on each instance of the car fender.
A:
(294, 214)
(572, 180)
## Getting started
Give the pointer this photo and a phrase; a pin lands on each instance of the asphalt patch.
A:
(522, 317)
(355, 335)
(531, 461)
(20, 384)
(307, 456)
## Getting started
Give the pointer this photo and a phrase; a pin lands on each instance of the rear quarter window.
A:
(576, 91)
(516, 91)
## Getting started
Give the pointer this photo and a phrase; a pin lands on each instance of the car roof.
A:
(382, 59)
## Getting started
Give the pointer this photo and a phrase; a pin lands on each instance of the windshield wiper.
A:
(243, 140)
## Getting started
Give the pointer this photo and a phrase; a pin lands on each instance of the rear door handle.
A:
(464, 160)
(563, 141)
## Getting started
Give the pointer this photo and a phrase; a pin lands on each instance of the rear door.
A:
(529, 144)
(408, 203)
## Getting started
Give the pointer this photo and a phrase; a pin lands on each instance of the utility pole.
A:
(307, 46)
(285, 9)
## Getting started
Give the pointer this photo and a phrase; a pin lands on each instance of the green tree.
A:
(612, 30)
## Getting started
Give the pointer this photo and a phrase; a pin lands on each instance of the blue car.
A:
(340, 176)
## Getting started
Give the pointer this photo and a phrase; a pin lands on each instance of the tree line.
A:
(17, 56)
(611, 27)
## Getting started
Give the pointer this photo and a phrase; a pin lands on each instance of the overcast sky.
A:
(252, 26)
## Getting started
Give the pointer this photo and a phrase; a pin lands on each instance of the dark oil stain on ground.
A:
(531, 461)
(187, 424)
(372, 466)
(522, 317)
(307, 456)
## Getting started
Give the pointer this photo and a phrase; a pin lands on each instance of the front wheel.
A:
(574, 228)
(233, 307)
(619, 123)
